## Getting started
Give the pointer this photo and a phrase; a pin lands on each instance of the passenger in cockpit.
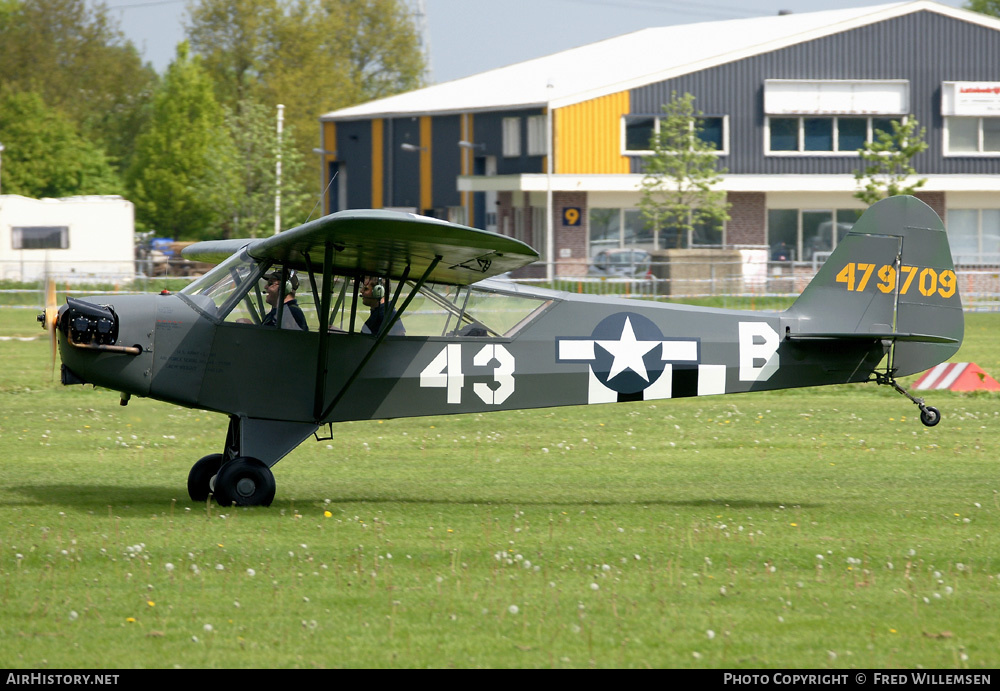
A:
(373, 295)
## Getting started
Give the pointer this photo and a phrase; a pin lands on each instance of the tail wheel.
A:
(244, 481)
(201, 476)
(930, 416)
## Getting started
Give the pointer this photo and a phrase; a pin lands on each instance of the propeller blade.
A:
(51, 315)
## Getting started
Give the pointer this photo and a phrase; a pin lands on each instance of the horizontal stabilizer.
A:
(854, 336)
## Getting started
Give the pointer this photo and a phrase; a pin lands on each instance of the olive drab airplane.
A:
(456, 339)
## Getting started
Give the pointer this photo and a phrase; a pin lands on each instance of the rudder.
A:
(892, 277)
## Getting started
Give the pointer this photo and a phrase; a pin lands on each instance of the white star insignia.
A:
(628, 352)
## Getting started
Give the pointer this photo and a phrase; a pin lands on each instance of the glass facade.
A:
(621, 228)
(807, 234)
(974, 235)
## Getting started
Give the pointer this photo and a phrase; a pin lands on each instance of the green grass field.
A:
(807, 529)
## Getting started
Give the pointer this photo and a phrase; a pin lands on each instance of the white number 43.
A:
(445, 372)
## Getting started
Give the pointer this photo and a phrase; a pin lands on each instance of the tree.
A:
(238, 43)
(44, 153)
(887, 159)
(72, 54)
(991, 7)
(181, 174)
(313, 56)
(249, 211)
(680, 174)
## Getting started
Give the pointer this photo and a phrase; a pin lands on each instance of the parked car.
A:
(621, 262)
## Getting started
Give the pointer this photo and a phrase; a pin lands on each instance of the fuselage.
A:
(570, 350)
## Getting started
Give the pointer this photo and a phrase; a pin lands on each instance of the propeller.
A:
(50, 316)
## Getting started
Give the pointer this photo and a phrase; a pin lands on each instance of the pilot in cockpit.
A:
(292, 316)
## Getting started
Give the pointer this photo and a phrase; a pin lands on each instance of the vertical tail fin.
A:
(892, 277)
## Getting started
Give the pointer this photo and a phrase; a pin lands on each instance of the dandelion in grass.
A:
(710, 634)
(513, 609)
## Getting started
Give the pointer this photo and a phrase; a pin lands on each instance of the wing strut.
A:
(378, 340)
(324, 329)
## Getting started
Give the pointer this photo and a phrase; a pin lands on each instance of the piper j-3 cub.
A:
(455, 340)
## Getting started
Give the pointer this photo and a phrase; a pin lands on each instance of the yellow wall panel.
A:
(378, 157)
(426, 198)
(588, 136)
(467, 136)
(329, 144)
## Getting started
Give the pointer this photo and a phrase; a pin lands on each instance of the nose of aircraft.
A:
(106, 344)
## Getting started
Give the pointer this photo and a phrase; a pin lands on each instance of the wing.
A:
(214, 251)
(386, 243)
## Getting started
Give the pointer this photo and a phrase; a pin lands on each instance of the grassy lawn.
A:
(806, 528)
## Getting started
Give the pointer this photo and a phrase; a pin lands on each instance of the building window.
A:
(511, 137)
(638, 130)
(537, 141)
(974, 235)
(626, 228)
(964, 136)
(807, 235)
(40, 238)
(839, 134)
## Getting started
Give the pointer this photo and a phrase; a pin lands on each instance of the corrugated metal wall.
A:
(925, 48)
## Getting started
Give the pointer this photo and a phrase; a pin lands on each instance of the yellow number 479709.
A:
(857, 275)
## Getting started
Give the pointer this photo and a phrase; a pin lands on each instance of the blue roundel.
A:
(628, 352)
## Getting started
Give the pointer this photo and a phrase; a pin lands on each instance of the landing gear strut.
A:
(930, 416)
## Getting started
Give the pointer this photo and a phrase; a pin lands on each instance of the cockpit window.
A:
(236, 291)
(470, 311)
(224, 284)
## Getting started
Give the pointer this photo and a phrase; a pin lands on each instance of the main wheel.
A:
(244, 481)
(200, 477)
(930, 416)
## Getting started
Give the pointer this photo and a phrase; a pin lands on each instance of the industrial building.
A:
(551, 150)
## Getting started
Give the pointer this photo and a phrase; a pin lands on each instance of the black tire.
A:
(930, 416)
(245, 482)
(200, 477)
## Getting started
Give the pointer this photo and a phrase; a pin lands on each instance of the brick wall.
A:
(571, 239)
(747, 218)
(935, 200)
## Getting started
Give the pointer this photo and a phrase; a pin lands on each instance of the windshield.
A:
(221, 283)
